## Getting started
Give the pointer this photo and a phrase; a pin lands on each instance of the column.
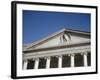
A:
(48, 63)
(25, 64)
(59, 61)
(85, 59)
(36, 63)
(72, 60)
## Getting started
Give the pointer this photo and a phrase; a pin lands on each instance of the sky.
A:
(39, 24)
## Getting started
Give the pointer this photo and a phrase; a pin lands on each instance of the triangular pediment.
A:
(64, 36)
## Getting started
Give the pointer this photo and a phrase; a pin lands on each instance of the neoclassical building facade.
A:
(65, 48)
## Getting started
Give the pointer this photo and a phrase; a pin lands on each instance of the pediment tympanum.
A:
(64, 36)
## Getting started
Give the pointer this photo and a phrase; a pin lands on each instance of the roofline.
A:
(79, 31)
(45, 38)
(56, 33)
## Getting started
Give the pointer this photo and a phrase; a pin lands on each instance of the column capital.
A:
(85, 53)
(69, 54)
(72, 54)
(26, 60)
(33, 59)
(45, 57)
(36, 58)
(82, 53)
(48, 57)
(59, 56)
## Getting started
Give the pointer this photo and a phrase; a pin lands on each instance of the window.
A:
(89, 59)
(30, 64)
(66, 61)
(54, 62)
(42, 63)
(78, 58)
